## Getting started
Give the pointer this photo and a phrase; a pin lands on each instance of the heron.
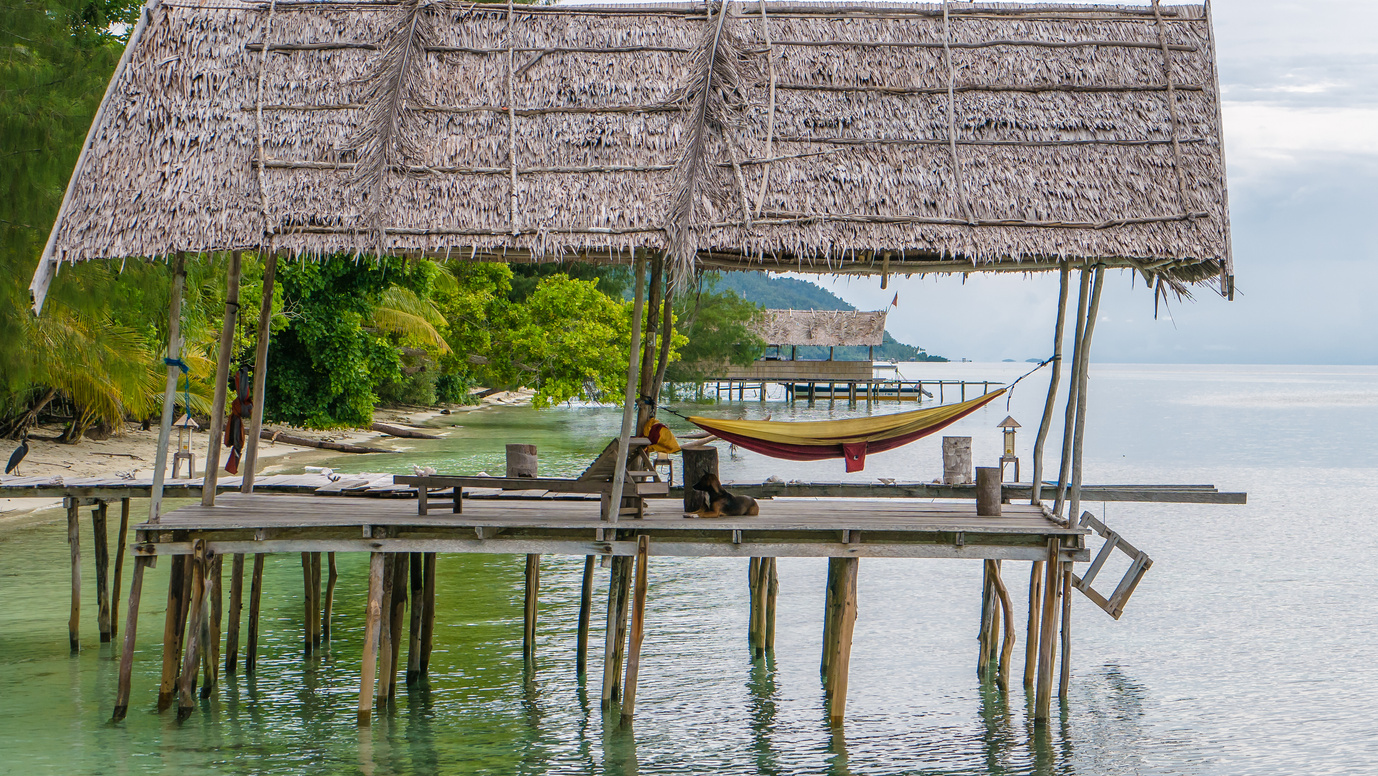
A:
(19, 452)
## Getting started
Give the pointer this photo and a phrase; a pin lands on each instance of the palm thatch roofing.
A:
(828, 328)
(851, 137)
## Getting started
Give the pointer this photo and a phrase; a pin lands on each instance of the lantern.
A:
(1009, 424)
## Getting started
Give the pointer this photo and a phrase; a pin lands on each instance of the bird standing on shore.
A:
(19, 452)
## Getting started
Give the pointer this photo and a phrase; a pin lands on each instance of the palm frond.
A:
(404, 313)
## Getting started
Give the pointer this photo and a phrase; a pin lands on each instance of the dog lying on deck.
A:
(724, 504)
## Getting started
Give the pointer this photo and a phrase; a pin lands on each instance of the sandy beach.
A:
(132, 451)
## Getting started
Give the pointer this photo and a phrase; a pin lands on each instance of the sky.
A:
(1300, 87)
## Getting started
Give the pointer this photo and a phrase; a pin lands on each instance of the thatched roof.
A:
(821, 137)
(828, 328)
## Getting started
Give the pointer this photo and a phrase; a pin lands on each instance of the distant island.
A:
(781, 293)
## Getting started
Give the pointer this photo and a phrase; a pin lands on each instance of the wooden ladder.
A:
(1140, 563)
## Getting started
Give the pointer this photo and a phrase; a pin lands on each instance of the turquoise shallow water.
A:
(1244, 651)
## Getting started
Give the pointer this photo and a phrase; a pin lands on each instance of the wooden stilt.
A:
(222, 378)
(101, 546)
(581, 651)
(629, 414)
(1065, 678)
(619, 651)
(533, 586)
(1051, 401)
(1002, 676)
(308, 605)
(255, 596)
(385, 630)
(1073, 384)
(265, 317)
(1031, 638)
(610, 665)
(754, 637)
(417, 572)
(428, 618)
(1079, 435)
(983, 633)
(174, 352)
(329, 609)
(845, 605)
(316, 627)
(131, 628)
(119, 564)
(400, 579)
(829, 619)
(196, 569)
(172, 631)
(1046, 645)
(643, 548)
(74, 544)
(211, 645)
(772, 593)
(372, 621)
(236, 612)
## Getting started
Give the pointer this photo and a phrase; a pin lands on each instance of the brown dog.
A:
(724, 504)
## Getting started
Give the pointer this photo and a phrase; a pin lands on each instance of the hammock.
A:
(849, 439)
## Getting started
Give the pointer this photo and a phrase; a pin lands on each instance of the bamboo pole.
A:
(1047, 646)
(119, 564)
(174, 352)
(236, 613)
(585, 614)
(172, 631)
(629, 399)
(131, 628)
(101, 549)
(533, 586)
(643, 548)
(1065, 470)
(255, 595)
(417, 572)
(222, 377)
(1083, 375)
(1053, 380)
(265, 318)
(372, 620)
(196, 612)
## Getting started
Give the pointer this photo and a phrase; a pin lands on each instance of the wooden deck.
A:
(785, 528)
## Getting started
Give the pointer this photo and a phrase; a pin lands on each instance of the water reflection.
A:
(762, 699)
(619, 748)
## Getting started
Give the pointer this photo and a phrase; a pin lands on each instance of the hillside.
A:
(780, 293)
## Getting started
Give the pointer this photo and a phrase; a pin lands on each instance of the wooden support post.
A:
(174, 351)
(533, 586)
(196, 569)
(1073, 384)
(417, 571)
(255, 596)
(172, 631)
(1047, 646)
(643, 548)
(222, 379)
(1065, 678)
(119, 564)
(772, 595)
(428, 618)
(316, 621)
(372, 619)
(987, 625)
(829, 620)
(400, 579)
(1051, 401)
(236, 613)
(616, 634)
(1031, 638)
(1007, 645)
(753, 618)
(101, 535)
(329, 609)
(74, 544)
(385, 634)
(131, 629)
(581, 652)
(698, 461)
(214, 620)
(844, 605)
(308, 626)
(1078, 437)
(249, 461)
(619, 479)
(762, 592)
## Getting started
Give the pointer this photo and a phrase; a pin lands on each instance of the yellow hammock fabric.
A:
(850, 439)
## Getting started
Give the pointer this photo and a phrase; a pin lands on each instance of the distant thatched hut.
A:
(825, 328)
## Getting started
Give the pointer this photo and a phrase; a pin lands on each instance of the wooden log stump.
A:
(235, 614)
(74, 544)
(101, 546)
(581, 650)
(521, 460)
(119, 564)
(698, 461)
(987, 491)
(956, 460)
(255, 598)
(533, 586)
(638, 628)
(373, 616)
(131, 628)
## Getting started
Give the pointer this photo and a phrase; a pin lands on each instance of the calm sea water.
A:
(1247, 649)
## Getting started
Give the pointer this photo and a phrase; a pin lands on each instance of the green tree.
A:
(717, 326)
